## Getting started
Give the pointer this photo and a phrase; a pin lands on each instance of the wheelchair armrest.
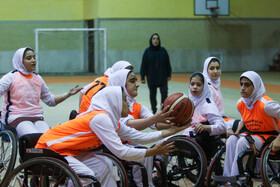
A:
(94, 180)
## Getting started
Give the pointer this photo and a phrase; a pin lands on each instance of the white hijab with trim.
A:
(119, 79)
(116, 67)
(206, 93)
(108, 99)
(259, 88)
(215, 83)
(18, 61)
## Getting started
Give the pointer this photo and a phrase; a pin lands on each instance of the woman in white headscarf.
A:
(99, 83)
(98, 126)
(260, 119)
(23, 89)
(207, 120)
(212, 72)
(119, 65)
(140, 117)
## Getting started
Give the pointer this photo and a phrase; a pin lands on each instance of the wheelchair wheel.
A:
(216, 167)
(270, 167)
(8, 153)
(119, 171)
(159, 173)
(187, 164)
(42, 171)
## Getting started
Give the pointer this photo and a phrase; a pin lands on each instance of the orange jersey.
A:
(97, 85)
(136, 110)
(256, 120)
(71, 138)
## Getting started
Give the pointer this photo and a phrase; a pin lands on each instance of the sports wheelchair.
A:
(268, 172)
(42, 167)
(186, 166)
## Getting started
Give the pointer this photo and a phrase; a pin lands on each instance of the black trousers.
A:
(153, 94)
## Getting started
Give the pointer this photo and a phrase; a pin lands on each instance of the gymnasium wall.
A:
(247, 39)
(241, 44)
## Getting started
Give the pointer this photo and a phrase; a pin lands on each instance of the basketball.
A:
(182, 107)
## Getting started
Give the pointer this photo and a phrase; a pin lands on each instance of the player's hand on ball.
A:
(163, 115)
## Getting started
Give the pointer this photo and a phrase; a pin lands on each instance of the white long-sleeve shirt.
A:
(106, 131)
(272, 108)
(208, 112)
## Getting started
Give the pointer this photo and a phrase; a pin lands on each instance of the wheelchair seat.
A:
(27, 151)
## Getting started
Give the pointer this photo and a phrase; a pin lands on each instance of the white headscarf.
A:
(215, 83)
(259, 88)
(108, 99)
(206, 93)
(18, 61)
(116, 67)
(119, 79)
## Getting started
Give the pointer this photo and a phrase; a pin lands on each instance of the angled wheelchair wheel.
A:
(270, 167)
(216, 167)
(42, 171)
(8, 153)
(119, 170)
(187, 164)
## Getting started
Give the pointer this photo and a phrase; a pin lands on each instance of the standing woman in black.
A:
(156, 66)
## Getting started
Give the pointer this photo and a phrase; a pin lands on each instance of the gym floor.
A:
(178, 83)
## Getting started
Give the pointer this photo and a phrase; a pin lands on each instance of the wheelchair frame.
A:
(8, 153)
(245, 176)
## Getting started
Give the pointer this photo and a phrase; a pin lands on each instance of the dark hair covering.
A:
(214, 60)
(151, 44)
(197, 74)
(27, 49)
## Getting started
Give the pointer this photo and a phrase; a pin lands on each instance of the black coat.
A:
(155, 65)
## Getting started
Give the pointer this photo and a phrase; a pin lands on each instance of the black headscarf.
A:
(151, 44)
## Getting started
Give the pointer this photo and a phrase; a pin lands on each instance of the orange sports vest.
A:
(136, 110)
(256, 120)
(135, 113)
(71, 138)
(97, 85)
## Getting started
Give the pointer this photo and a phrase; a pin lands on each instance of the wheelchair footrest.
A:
(225, 179)
(234, 180)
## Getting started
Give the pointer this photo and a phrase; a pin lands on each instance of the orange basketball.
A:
(182, 107)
